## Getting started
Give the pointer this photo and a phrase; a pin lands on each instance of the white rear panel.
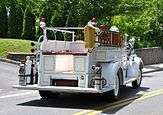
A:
(49, 63)
(79, 64)
(64, 63)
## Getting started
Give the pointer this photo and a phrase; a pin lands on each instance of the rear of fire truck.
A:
(63, 66)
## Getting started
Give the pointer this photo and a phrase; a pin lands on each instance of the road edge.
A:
(9, 61)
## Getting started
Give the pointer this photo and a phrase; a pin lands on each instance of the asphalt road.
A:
(147, 100)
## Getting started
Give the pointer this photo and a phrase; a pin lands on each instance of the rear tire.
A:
(48, 94)
(136, 84)
(115, 93)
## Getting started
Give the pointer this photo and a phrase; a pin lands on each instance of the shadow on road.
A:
(78, 101)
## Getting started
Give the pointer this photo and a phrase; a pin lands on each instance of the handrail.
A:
(40, 38)
(58, 30)
(65, 30)
(70, 28)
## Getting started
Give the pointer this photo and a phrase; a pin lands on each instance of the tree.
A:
(29, 30)
(140, 19)
(15, 21)
(3, 21)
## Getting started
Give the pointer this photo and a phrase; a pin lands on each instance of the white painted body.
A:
(78, 66)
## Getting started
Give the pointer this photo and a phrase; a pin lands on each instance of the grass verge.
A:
(14, 45)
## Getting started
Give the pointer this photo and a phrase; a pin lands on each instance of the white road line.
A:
(16, 95)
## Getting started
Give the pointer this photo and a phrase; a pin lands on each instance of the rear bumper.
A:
(61, 89)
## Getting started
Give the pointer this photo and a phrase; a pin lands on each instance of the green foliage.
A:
(29, 26)
(141, 19)
(3, 21)
(77, 12)
(15, 21)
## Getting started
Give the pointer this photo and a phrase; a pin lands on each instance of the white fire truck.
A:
(100, 63)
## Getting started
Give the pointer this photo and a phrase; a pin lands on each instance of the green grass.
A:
(14, 45)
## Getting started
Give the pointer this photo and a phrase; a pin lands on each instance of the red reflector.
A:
(60, 82)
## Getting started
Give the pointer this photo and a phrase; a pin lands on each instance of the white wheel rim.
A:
(139, 77)
(116, 86)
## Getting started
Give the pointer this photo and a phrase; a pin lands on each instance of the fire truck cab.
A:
(100, 63)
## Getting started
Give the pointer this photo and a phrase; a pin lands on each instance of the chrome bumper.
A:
(61, 89)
